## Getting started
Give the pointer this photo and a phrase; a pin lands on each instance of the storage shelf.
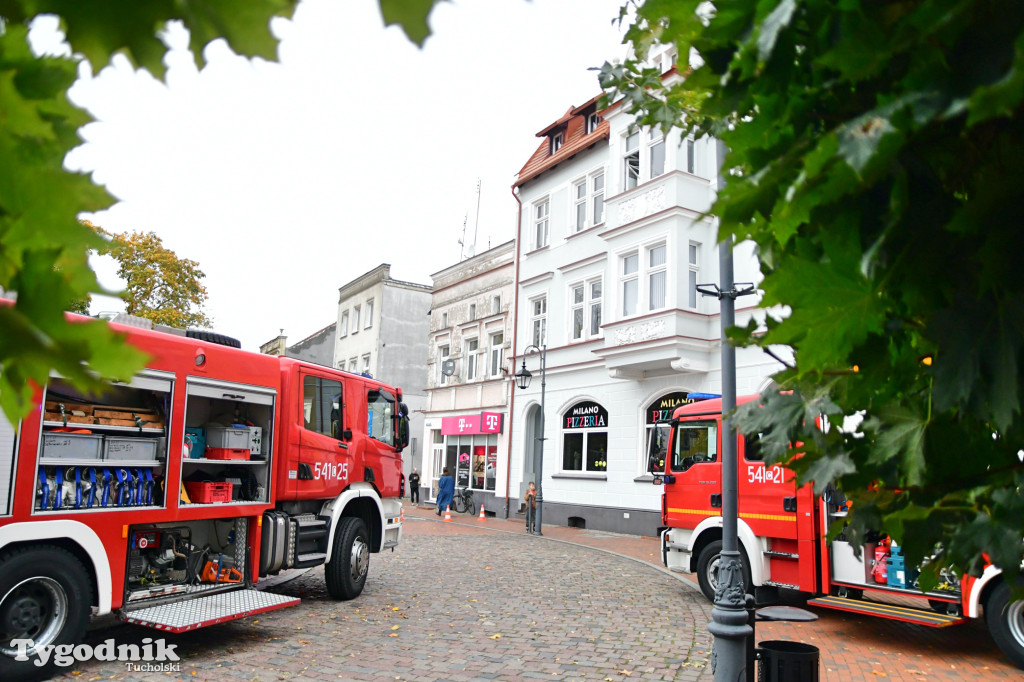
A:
(95, 508)
(251, 462)
(233, 503)
(103, 427)
(100, 463)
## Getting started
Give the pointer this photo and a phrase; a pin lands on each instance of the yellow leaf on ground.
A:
(495, 636)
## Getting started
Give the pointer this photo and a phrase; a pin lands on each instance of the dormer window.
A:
(593, 120)
(556, 142)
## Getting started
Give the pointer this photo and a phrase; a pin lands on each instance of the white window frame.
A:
(557, 140)
(539, 320)
(541, 223)
(355, 319)
(366, 363)
(585, 306)
(443, 353)
(344, 325)
(353, 364)
(497, 354)
(472, 312)
(656, 140)
(593, 120)
(579, 205)
(472, 348)
(369, 314)
(496, 304)
(652, 271)
(341, 365)
(693, 262)
(691, 162)
(624, 279)
(587, 209)
(597, 197)
(631, 160)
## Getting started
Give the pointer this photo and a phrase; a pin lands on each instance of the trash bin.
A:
(783, 661)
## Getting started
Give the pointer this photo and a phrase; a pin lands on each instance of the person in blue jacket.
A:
(445, 491)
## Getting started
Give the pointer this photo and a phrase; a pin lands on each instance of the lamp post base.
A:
(730, 622)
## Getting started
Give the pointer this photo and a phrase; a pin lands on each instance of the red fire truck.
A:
(168, 496)
(782, 533)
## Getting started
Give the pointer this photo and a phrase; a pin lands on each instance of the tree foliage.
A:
(159, 286)
(43, 247)
(874, 158)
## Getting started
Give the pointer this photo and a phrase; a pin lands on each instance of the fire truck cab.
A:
(167, 497)
(782, 533)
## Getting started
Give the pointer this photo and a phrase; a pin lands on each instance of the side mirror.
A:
(346, 434)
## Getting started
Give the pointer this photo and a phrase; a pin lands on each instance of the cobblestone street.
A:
(459, 603)
(474, 600)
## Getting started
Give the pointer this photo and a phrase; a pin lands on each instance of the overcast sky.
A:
(287, 180)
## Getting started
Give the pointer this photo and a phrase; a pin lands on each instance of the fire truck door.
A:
(382, 459)
(325, 462)
(696, 492)
(767, 495)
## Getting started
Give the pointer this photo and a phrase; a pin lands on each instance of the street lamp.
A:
(523, 377)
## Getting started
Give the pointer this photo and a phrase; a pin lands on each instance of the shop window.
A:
(585, 438)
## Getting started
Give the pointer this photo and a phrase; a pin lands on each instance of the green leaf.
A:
(901, 438)
(775, 22)
(411, 15)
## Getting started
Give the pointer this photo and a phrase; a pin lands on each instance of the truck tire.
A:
(707, 569)
(350, 559)
(213, 337)
(45, 597)
(1005, 621)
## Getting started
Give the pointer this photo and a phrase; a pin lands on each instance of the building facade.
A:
(317, 347)
(469, 384)
(612, 245)
(382, 330)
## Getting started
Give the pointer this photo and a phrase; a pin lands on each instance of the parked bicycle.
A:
(464, 501)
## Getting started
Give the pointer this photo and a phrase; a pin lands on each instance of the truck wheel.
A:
(45, 597)
(1005, 621)
(350, 559)
(707, 570)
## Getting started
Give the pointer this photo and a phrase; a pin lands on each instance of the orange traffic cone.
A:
(482, 517)
(448, 514)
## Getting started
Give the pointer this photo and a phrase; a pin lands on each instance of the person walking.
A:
(531, 507)
(445, 491)
(414, 487)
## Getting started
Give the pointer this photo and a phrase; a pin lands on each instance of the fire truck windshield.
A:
(694, 442)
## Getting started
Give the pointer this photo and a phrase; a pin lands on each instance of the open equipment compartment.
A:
(228, 418)
(104, 451)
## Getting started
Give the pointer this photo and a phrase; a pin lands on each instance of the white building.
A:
(611, 247)
(382, 330)
(466, 418)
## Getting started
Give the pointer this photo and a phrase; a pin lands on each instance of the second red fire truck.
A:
(782, 533)
(167, 497)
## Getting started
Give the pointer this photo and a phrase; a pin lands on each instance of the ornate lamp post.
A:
(523, 377)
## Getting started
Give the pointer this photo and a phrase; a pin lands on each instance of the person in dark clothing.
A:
(445, 491)
(414, 487)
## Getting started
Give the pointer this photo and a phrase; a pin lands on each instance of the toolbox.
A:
(227, 453)
(208, 492)
(117, 447)
(72, 445)
(227, 437)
